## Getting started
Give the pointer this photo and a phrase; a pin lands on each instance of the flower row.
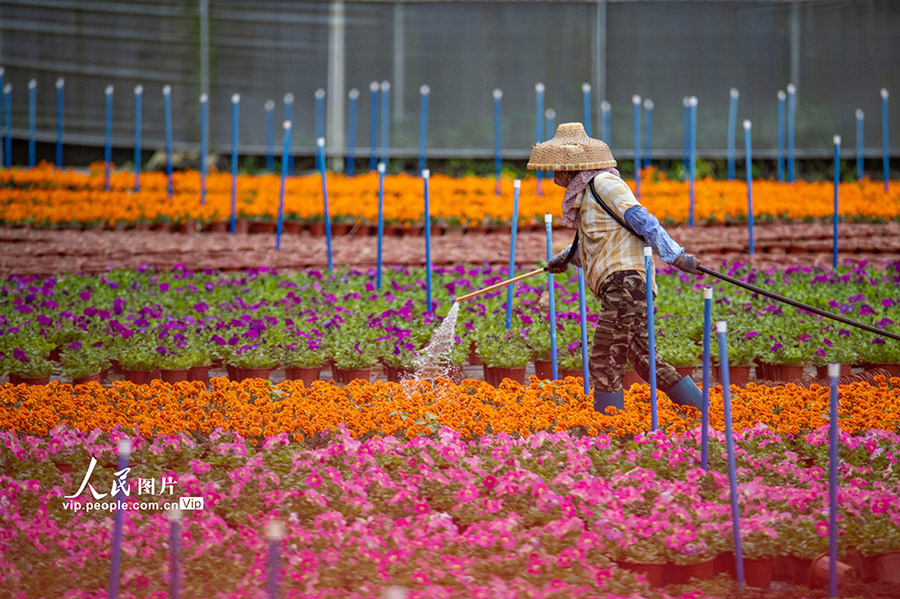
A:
(46, 197)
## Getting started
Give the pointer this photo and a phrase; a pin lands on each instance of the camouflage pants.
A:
(622, 335)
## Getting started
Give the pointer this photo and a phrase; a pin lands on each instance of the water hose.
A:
(501, 284)
(786, 300)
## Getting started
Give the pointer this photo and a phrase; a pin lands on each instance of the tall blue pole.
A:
(605, 121)
(837, 182)
(32, 119)
(834, 371)
(424, 91)
(380, 221)
(749, 159)
(586, 100)
(517, 184)
(722, 329)
(60, 89)
(781, 100)
(320, 113)
(373, 125)
(636, 100)
(204, 103)
(732, 124)
(648, 132)
(385, 121)
(167, 107)
(289, 116)
(651, 336)
(2, 114)
(704, 426)
(860, 116)
(548, 222)
(138, 117)
(284, 174)
(692, 161)
(539, 129)
(269, 107)
(884, 139)
(498, 132)
(7, 139)
(426, 174)
(124, 452)
(353, 94)
(235, 109)
(326, 213)
(791, 116)
(174, 551)
(107, 153)
(686, 159)
(274, 532)
(582, 309)
(550, 126)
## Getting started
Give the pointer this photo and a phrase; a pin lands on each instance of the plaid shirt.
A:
(606, 247)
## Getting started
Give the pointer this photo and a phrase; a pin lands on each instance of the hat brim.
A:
(582, 166)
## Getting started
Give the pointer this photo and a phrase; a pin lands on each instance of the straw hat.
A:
(570, 150)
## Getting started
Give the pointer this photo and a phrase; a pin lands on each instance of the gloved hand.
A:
(687, 263)
(557, 264)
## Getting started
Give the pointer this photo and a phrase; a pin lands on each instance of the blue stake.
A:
(122, 482)
(2, 115)
(550, 120)
(424, 91)
(721, 329)
(174, 550)
(235, 109)
(353, 94)
(60, 88)
(582, 307)
(107, 154)
(781, 99)
(704, 426)
(686, 160)
(749, 158)
(517, 184)
(326, 213)
(498, 130)
(204, 103)
(548, 221)
(636, 100)
(648, 132)
(7, 139)
(791, 115)
(732, 123)
(692, 161)
(385, 121)
(426, 174)
(167, 100)
(284, 174)
(289, 116)
(605, 121)
(138, 110)
(320, 113)
(651, 335)
(859, 143)
(837, 182)
(884, 139)
(586, 99)
(32, 118)
(834, 371)
(269, 107)
(380, 220)
(373, 126)
(274, 532)
(539, 129)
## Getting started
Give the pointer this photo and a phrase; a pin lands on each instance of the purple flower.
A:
(85, 295)
(43, 320)
(884, 322)
(877, 341)
(201, 307)
(865, 310)
(75, 345)
(887, 302)
(118, 306)
(19, 355)
(803, 337)
(751, 335)
(776, 347)
(161, 350)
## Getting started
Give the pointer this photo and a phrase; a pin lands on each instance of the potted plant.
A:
(174, 365)
(505, 355)
(302, 360)
(28, 366)
(679, 351)
(84, 361)
(255, 361)
(138, 360)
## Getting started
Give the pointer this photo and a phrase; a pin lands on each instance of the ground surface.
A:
(45, 252)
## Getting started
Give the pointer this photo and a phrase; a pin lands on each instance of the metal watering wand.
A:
(501, 284)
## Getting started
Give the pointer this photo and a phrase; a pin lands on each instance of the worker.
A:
(612, 230)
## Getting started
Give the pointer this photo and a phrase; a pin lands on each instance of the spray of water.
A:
(434, 360)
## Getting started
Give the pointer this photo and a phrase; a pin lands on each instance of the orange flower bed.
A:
(257, 409)
(47, 196)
